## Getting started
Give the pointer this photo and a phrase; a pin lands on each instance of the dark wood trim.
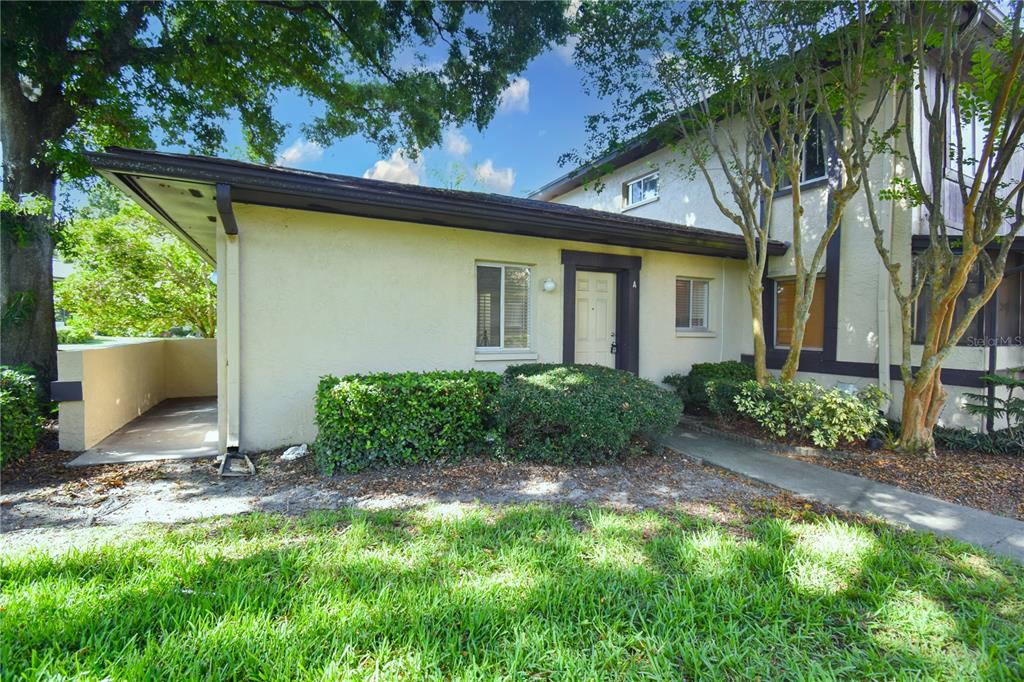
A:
(227, 214)
(627, 303)
(988, 327)
(810, 361)
(65, 391)
(921, 242)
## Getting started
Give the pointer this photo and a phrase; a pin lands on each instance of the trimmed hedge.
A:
(569, 414)
(74, 333)
(21, 420)
(711, 385)
(803, 409)
(388, 419)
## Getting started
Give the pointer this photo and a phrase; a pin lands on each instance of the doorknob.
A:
(615, 347)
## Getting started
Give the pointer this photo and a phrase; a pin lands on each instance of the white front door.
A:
(595, 318)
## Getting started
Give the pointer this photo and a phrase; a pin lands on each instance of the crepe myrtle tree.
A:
(963, 64)
(732, 88)
(80, 75)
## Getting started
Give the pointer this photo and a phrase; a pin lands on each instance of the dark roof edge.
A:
(652, 141)
(271, 185)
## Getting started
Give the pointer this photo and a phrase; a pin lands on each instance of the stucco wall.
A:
(684, 195)
(121, 381)
(323, 293)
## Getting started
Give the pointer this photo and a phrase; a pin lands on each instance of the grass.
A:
(517, 592)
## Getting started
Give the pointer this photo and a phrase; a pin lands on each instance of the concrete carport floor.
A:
(178, 428)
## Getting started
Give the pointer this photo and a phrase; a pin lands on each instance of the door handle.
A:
(615, 347)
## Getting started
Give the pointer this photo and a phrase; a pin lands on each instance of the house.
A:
(323, 273)
(853, 335)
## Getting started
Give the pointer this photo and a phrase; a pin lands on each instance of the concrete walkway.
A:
(180, 428)
(998, 534)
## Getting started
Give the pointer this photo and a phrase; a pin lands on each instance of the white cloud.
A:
(516, 97)
(399, 168)
(498, 179)
(456, 144)
(300, 152)
(566, 51)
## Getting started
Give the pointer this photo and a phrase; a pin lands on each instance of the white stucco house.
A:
(320, 273)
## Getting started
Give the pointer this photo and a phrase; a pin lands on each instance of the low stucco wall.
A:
(122, 380)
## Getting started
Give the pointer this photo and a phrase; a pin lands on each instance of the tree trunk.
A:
(757, 321)
(922, 405)
(27, 332)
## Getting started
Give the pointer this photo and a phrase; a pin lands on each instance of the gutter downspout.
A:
(721, 323)
(228, 326)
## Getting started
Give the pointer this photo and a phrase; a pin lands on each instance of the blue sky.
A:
(541, 118)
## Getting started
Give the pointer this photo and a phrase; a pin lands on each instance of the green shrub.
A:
(1003, 442)
(806, 410)
(720, 395)
(693, 389)
(74, 333)
(387, 419)
(20, 417)
(579, 413)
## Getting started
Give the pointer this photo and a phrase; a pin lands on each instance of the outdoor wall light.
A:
(549, 284)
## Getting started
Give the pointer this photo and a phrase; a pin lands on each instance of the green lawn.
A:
(520, 592)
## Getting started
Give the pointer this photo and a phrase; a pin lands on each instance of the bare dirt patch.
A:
(44, 502)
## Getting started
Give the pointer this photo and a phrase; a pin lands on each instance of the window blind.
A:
(502, 306)
(691, 303)
(517, 291)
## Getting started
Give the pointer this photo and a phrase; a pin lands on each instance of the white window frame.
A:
(784, 185)
(500, 348)
(707, 303)
(655, 175)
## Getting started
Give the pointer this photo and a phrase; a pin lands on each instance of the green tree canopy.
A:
(80, 75)
(131, 277)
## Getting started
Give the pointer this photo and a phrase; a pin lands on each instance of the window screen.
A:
(502, 307)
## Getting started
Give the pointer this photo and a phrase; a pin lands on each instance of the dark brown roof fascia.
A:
(273, 186)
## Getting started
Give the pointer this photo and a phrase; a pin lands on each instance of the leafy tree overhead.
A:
(79, 75)
(131, 277)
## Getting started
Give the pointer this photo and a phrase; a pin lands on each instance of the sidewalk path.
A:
(996, 533)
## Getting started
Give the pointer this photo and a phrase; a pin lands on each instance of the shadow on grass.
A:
(514, 592)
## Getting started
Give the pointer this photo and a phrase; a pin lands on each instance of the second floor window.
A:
(815, 161)
(642, 189)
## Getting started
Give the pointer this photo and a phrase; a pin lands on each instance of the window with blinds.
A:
(691, 304)
(814, 330)
(502, 307)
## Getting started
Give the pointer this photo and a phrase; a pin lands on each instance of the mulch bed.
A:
(993, 483)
